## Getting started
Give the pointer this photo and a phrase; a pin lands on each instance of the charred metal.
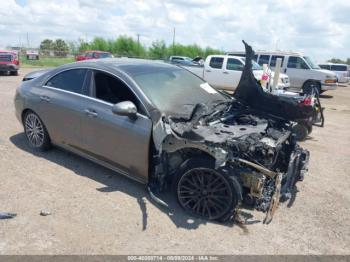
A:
(254, 148)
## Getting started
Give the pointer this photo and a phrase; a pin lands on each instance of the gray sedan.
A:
(163, 126)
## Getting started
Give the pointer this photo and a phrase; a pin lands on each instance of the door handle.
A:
(207, 70)
(225, 72)
(91, 113)
(45, 98)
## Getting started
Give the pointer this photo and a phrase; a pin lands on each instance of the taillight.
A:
(307, 101)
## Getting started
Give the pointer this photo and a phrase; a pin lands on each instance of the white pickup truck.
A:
(224, 72)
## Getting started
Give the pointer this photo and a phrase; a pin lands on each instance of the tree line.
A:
(339, 61)
(126, 46)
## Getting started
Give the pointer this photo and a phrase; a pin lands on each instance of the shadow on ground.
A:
(115, 182)
(325, 96)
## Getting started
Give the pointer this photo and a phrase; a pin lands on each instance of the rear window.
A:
(339, 68)
(5, 57)
(274, 59)
(71, 80)
(264, 59)
(216, 62)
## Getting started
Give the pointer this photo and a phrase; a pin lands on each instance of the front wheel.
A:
(36, 132)
(14, 73)
(206, 192)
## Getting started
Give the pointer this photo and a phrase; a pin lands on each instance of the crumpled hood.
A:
(250, 93)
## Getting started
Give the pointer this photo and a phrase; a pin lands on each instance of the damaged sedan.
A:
(163, 126)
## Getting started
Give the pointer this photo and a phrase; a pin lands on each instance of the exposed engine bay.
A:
(257, 150)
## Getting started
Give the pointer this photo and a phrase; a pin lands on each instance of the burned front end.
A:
(247, 140)
(260, 153)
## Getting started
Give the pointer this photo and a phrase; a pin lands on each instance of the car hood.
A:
(326, 72)
(35, 74)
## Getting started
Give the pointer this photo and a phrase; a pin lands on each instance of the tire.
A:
(36, 132)
(14, 73)
(301, 131)
(309, 86)
(205, 192)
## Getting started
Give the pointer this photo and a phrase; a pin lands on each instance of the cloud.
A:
(321, 30)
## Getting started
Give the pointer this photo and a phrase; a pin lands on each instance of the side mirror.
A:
(125, 108)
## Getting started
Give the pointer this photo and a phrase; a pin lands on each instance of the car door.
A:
(297, 70)
(232, 72)
(61, 105)
(117, 141)
(213, 72)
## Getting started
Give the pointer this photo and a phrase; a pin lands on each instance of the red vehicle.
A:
(9, 62)
(93, 54)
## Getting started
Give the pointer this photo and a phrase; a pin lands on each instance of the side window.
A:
(71, 80)
(296, 62)
(264, 59)
(328, 67)
(216, 62)
(255, 58)
(274, 59)
(89, 54)
(95, 55)
(234, 64)
(338, 68)
(112, 90)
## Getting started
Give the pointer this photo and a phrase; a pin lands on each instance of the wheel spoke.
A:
(205, 192)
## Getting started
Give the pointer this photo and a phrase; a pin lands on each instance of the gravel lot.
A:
(97, 211)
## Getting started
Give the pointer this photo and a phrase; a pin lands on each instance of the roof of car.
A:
(333, 64)
(118, 63)
(7, 51)
(97, 51)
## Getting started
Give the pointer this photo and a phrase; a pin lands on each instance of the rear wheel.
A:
(36, 132)
(14, 73)
(301, 131)
(205, 192)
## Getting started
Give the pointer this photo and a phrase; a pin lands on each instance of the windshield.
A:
(311, 63)
(255, 65)
(174, 90)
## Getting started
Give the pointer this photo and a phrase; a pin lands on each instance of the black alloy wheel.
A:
(205, 192)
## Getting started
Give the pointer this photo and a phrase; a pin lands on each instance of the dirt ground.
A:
(97, 211)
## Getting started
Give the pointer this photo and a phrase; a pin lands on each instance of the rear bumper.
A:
(9, 67)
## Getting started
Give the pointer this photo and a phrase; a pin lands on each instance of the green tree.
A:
(158, 50)
(46, 45)
(60, 48)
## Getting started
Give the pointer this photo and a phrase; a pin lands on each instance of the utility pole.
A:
(174, 41)
(27, 40)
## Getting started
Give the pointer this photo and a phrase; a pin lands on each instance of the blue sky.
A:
(318, 28)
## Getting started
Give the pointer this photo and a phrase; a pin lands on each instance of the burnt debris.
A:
(247, 140)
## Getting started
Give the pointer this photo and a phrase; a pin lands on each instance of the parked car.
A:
(32, 54)
(224, 72)
(161, 125)
(341, 70)
(9, 62)
(302, 71)
(93, 55)
(184, 60)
